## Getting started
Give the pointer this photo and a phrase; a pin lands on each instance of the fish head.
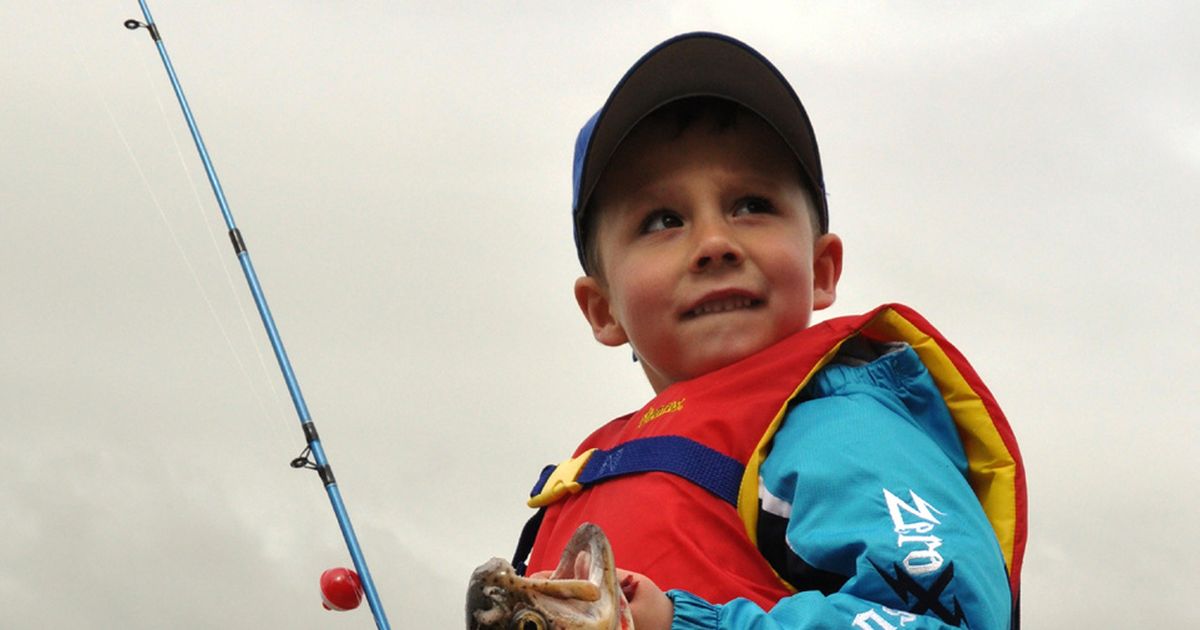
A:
(582, 594)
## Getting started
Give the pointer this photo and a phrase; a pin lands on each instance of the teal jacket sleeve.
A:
(866, 478)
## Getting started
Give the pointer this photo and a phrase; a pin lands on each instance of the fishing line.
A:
(274, 420)
(313, 456)
(187, 261)
(277, 422)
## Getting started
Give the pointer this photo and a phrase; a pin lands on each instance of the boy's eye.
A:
(661, 220)
(752, 205)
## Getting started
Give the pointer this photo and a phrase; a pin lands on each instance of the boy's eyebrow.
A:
(747, 178)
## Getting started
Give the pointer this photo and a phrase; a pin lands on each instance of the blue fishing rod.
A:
(341, 591)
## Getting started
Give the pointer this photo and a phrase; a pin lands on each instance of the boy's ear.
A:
(593, 301)
(827, 268)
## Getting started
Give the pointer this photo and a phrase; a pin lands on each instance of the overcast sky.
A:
(1024, 175)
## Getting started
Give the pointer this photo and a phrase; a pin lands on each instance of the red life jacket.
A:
(682, 534)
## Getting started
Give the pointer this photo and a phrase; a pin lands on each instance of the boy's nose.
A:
(716, 248)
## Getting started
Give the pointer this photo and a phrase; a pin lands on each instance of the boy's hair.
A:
(721, 115)
(692, 65)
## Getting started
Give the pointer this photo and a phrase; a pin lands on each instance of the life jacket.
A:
(675, 485)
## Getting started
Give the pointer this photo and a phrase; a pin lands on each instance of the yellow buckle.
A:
(562, 480)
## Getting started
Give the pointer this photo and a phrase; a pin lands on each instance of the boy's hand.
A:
(651, 608)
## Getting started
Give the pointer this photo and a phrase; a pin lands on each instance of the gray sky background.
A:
(1024, 174)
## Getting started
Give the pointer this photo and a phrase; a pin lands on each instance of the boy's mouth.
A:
(722, 305)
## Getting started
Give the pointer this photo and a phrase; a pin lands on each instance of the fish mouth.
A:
(581, 593)
(723, 302)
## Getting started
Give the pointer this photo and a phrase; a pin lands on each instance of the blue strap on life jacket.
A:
(716, 472)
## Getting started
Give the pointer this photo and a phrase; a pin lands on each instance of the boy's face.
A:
(706, 248)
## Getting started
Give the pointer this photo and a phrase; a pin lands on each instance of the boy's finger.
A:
(629, 583)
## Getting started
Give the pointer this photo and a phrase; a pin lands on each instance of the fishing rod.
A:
(340, 590)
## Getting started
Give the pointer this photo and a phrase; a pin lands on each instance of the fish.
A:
(499, 599)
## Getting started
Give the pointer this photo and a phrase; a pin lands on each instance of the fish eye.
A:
(528, 620)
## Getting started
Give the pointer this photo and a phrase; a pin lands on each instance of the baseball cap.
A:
(688, 65)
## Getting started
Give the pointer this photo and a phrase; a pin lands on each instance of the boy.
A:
(852, 474)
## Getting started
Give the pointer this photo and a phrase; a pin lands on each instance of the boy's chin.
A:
(716, 361)
(703, 361)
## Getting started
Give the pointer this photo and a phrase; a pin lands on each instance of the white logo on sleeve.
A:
(872, 620)
(914, 524)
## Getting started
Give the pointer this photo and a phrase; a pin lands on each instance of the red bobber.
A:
(341, 589)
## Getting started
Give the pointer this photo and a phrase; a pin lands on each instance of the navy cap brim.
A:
(694, 64)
